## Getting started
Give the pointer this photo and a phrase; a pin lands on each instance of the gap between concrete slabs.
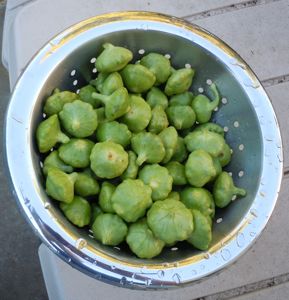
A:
(227, 9)
(266, 289)
(278, 292)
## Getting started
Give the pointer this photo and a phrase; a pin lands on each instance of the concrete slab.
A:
(20, 273)
(259, 34)
(266, 259)
(278, 94)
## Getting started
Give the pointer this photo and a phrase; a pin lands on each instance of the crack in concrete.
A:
(275, 80)
(249, 288)
(226, 9)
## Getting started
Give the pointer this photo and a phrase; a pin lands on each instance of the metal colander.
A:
(245, 112)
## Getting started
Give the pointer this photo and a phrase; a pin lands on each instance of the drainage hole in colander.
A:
(241, 173)
(141, 51)
(94, 70)
(77, 91)
(188, 66)
(224, 100)
(236, 124)
(93, 59)
(168, 56)
(200, 90)
(226, 129)
(75, 82)
(72, 73)
(241, 147)
(209, 81)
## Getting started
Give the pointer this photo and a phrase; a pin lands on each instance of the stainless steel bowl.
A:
(246, 114)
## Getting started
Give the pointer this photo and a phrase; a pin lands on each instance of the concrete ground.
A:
(20, 273)
(259, 31)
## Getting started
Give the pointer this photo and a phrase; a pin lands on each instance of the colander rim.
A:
(82, 255)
